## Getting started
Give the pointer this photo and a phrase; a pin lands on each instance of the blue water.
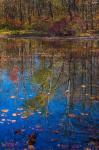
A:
(60, 124)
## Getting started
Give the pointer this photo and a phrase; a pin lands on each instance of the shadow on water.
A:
(49, 94)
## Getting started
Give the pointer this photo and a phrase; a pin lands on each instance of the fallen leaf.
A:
(56, 131)
(54, 140)
(83, 86)
(39, 112)
(14, 114)
(71, 115)
(13, 121)
(3, 120)
(20, 109)
(5, 110)
(21, 97)
(19, 131)
(84, 114)
(12, 97)
(24, 117)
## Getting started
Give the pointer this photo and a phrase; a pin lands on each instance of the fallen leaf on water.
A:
(87, 94)
(19, 131)
(40, 129)
(83, 86)
(87, 149)
(12, 97)
(49, 93)
(13, 121)
(84, 114)
(63, 146)
(31, 147)
(67, 92)
(9, 145)
(24, 117)
(20, 109)
(54, 140)
(8, 120)
(76, 146)
(14, 114)
(71, 115)
(21, 97)
(3, 120)
(18, 114)
(5, 110)
(56, 131)
(2, 115)
(38, 126)
(39, 112)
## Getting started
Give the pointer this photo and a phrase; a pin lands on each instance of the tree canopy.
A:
(41, 15)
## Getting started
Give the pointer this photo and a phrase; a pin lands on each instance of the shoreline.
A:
(44, 37)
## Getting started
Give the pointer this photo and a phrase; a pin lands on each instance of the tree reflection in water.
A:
(59, 80)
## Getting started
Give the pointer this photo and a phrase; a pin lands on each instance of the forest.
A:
(49, 74)
(50, 17)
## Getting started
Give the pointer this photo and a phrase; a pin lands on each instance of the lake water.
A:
(49, 88)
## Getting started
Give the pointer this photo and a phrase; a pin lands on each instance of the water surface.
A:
(49, 88)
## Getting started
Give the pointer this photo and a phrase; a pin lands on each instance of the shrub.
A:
(67, 27)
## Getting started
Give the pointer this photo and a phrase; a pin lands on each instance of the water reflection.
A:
(51, 89)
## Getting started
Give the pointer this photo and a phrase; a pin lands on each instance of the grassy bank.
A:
(7, 32)
(33, 33)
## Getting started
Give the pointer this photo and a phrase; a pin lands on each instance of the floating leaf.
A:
(22, 98)
(54, 140)
(71, 115)
(19, 131)
(39, 112)
(83, 86)
(13, 121)
(12, 97)
(63, 146)
(20, 109)
(84, 114)
(3, 120)
(2, 115)
(24, 117)
(14, 114)
(56, 131)
(88, 148)
(5, 110)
